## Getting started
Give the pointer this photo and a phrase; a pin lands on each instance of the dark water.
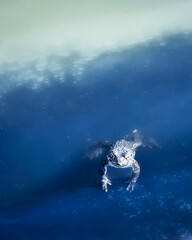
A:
(49, 189)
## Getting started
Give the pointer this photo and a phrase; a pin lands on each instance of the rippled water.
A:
(50, 189)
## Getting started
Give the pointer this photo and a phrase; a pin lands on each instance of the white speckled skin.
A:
(121, 155)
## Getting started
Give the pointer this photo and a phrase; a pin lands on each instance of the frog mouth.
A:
(118, 164)
(122, 165)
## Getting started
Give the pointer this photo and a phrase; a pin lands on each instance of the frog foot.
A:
(130, 187)
(105, 182)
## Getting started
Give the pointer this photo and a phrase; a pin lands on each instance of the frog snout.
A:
(122, 160)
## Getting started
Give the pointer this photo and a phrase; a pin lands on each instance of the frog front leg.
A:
(105, 181)
(134, 177)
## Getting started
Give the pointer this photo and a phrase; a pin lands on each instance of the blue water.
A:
(50, 189)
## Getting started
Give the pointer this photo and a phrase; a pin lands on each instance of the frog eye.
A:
(111, 155)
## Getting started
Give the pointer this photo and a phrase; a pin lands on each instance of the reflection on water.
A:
(49, 188)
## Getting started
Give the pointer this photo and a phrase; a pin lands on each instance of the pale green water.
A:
(33, 29)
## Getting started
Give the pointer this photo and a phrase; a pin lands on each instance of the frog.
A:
(121, 154)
